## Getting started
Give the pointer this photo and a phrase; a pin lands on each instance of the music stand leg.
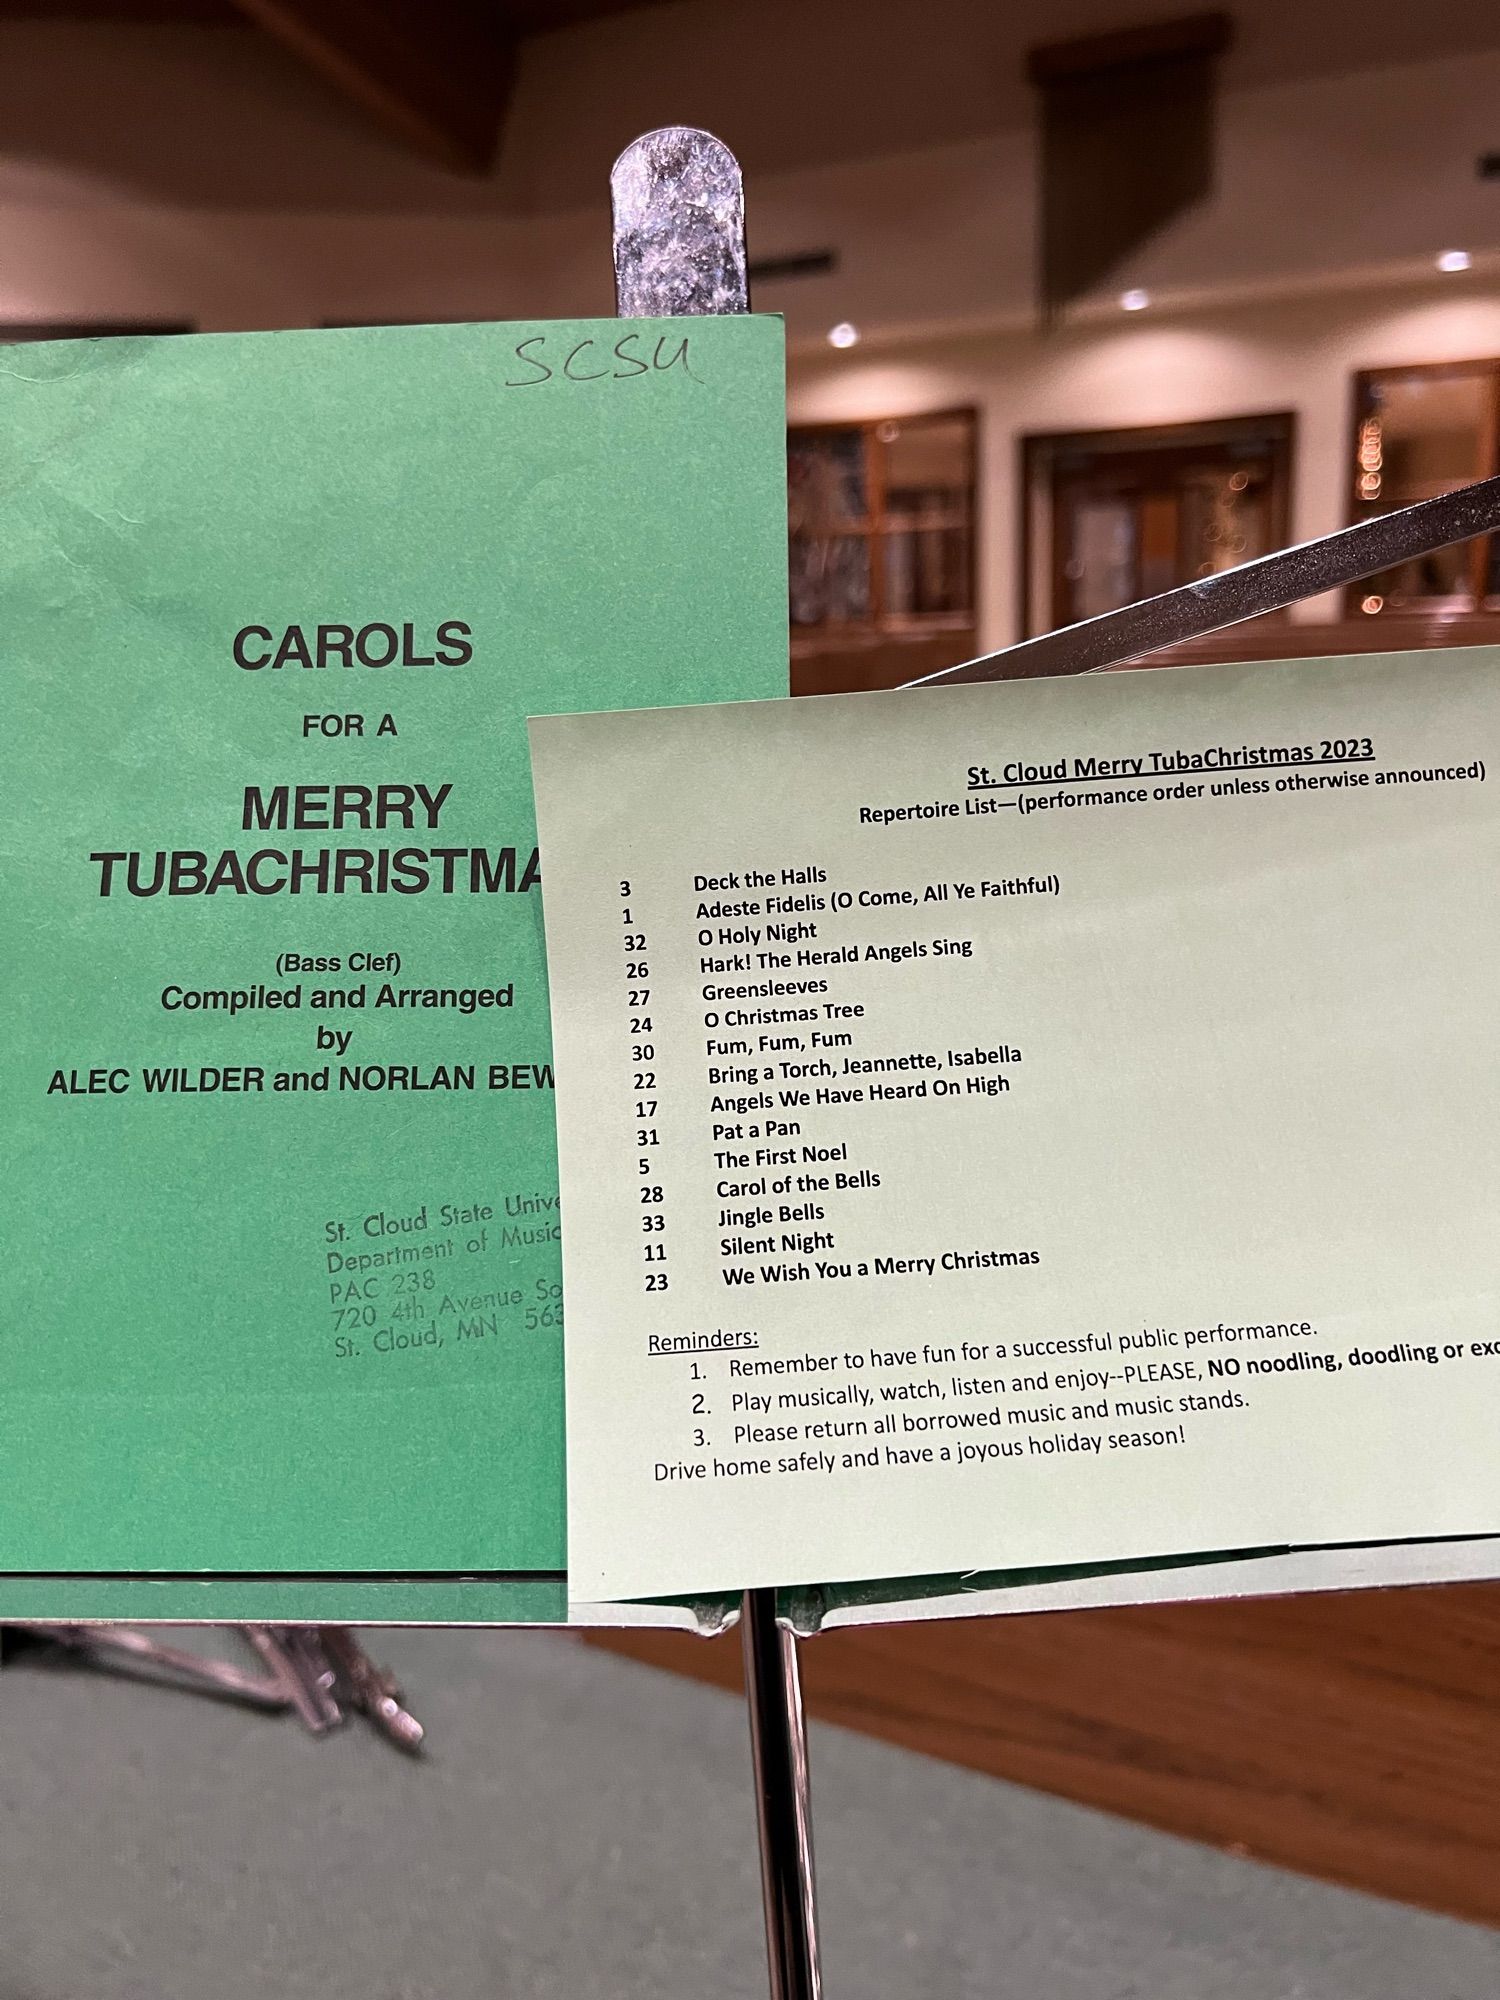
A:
(778, 1749)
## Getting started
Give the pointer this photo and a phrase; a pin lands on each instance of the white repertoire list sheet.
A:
(1027, 1124)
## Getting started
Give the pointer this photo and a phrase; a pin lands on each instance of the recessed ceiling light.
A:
(843, 335)
(1453, 260)
(1135, 300)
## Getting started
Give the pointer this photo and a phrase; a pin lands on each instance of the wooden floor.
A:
(1354, 1737)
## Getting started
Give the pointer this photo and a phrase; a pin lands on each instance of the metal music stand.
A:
(679, 247)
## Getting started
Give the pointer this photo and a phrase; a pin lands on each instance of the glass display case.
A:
(1419, 431)
(881, 549)
(1114, 516)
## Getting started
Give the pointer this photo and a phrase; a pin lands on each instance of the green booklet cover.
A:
(283, 1288)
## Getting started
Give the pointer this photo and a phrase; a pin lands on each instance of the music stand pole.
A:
(679, 246)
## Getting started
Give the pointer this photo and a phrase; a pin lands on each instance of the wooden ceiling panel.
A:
(537, 17)
(436, 76)
(520, 17)
(141, 11)
(436, 73)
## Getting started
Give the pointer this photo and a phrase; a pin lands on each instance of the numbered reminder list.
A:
(1030, 1124)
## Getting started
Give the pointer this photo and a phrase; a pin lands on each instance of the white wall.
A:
(199, 173)
(1297, 353)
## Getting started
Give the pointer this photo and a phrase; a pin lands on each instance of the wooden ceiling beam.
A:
(436, 73)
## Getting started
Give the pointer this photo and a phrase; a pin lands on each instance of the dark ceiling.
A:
(435, 72)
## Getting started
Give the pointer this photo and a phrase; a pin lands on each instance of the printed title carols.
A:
(326, 871)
